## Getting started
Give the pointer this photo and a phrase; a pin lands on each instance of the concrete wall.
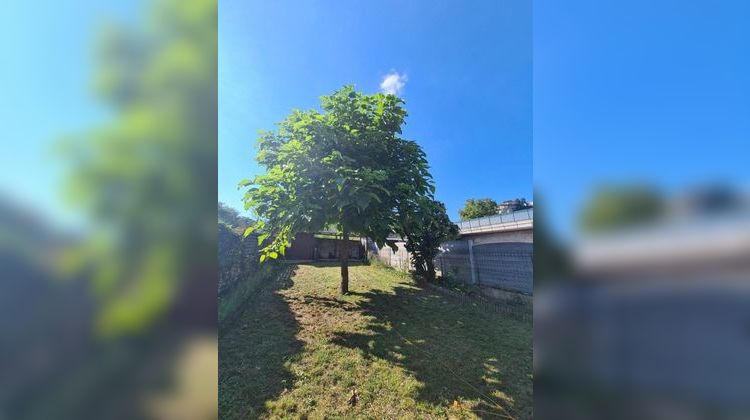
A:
(522, 236)
(399, 259)
(500, 260)
(504, 265)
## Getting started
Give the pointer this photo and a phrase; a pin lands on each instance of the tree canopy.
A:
(232, 218)
(616, 207)
(426, 225)
(478, 207)
(346, 166)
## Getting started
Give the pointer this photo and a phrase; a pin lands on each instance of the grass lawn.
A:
(299, 350)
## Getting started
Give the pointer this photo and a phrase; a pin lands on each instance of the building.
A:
(510, 206)
(324, 246)
(494, 252)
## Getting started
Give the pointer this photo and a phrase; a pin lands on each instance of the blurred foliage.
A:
(551, 256)
(616, 207)
(478, 207)
(712, 199)
(147, 178)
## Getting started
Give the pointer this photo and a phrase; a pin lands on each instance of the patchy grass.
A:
(300, 349)
(522, 304)
(232, 303)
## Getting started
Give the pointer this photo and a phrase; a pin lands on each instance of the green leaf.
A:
(248, 231)
(362, 202)
(262, 257)
(337, 166)
(339, 182)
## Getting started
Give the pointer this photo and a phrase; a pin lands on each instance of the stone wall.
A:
(237, 257)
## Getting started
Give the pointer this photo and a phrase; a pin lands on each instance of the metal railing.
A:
(521, 219)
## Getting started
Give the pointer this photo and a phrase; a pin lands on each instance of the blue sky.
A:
(46, 76)
(638, 90)
(656, 92)
(466, 72)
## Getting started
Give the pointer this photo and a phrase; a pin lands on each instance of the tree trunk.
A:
(430, 270)
(345, 262)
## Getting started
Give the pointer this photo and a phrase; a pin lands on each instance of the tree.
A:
(143, 176)
(426, 225)
(232, 218)
(346, 166)
(616, 207)
(475, 208)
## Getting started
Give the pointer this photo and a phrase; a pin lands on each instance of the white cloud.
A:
(393, 83)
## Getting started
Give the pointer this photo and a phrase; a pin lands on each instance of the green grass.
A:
(300, 349)
(233, 301)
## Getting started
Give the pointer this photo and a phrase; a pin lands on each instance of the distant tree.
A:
(346, 167)
(426, 225)
(616, 207)
(479, 207)
(232, 218)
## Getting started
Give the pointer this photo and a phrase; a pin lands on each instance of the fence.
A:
(506, 266)
(398, 259)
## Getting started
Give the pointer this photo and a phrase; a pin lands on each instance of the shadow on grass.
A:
(457, 352)
(335, 263)
(253, 353)
(327, 302)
